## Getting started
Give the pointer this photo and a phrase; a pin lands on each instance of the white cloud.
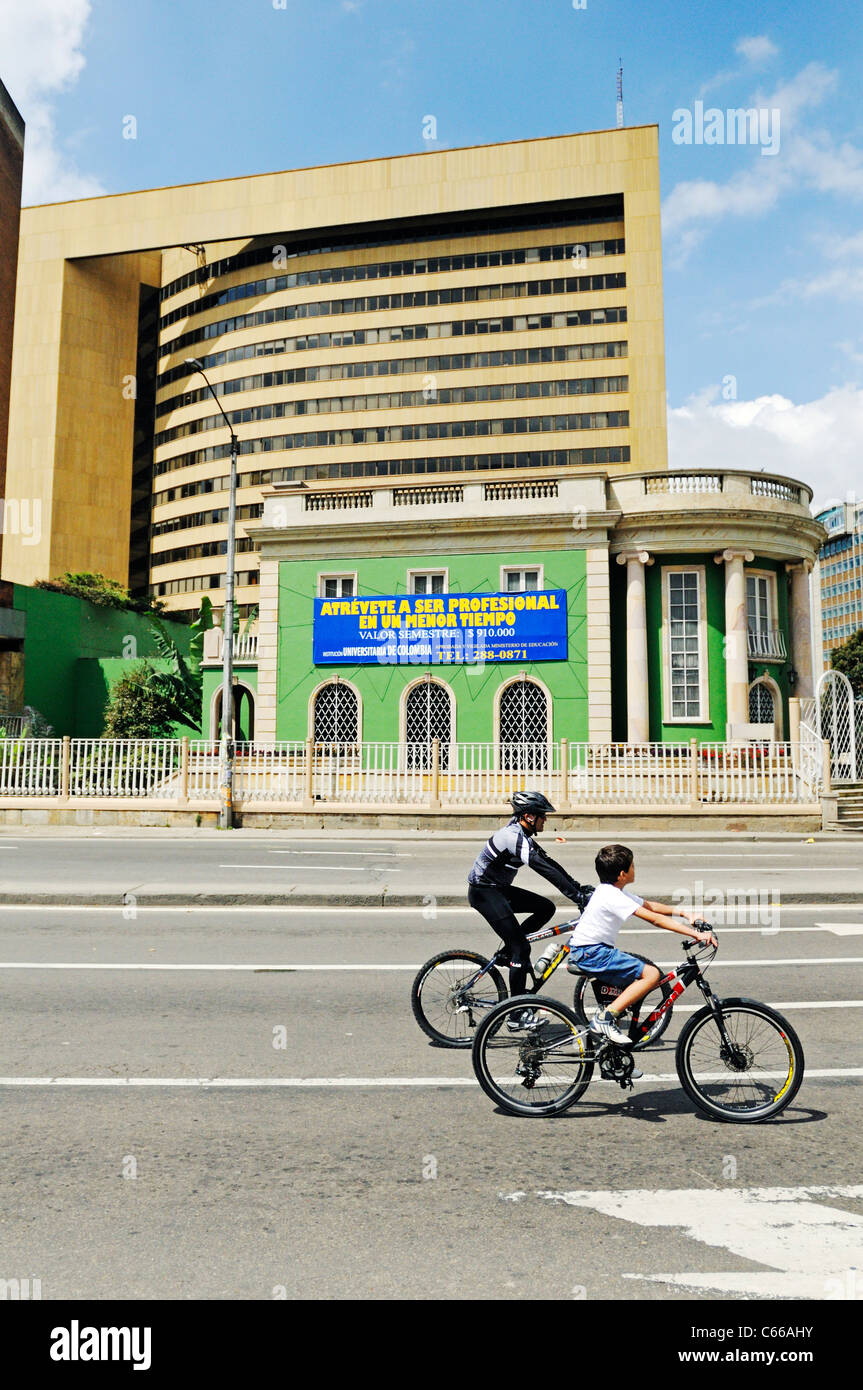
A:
(41, 43)
(808, 158)
(818, 442)
(756, 50)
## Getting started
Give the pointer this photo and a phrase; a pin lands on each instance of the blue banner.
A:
(440, 629)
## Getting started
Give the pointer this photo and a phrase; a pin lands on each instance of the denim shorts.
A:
(612, 965)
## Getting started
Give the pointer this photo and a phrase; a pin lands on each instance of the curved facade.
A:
(495, 344)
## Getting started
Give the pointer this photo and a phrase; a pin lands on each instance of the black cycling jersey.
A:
(507, 850)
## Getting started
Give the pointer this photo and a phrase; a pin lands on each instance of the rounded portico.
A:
(710, 602)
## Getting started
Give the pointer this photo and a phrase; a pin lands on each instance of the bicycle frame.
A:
(544, 933)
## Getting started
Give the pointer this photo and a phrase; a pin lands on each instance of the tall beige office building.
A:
(484, 309)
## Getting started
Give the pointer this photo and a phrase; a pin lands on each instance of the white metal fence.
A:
(306, 774)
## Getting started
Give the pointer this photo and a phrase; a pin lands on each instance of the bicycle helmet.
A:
(530, 804)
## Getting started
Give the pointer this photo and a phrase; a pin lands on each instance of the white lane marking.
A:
(805, 1241)
(331, 868)
(264, 965)
(393, 909)
(710, 854)
(340, 1082)
(347, 853)
(841, 928)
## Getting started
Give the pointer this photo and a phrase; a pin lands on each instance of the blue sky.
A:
(763, 254)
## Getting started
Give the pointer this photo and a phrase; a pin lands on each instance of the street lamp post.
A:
(226, 746)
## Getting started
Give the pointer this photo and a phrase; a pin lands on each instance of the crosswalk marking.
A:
(811, 1247)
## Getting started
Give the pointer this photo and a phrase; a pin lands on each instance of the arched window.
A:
(762, 707)
(428, 715)
(523, 727)
(244, 714)
(336, 714)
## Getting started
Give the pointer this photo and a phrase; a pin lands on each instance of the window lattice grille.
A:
(523, 727)
(761, 708)
(336, 714)
(427, 716)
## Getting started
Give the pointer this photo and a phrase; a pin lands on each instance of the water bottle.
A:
(542, 962)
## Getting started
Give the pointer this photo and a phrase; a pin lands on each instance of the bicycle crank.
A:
(615, 1064)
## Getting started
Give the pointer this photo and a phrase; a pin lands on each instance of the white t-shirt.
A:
(605, 914)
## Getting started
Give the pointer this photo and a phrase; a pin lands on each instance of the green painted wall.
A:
(94, 678)
(63, 636)
(473, 687)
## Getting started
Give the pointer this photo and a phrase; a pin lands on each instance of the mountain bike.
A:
(737, 1060)
(455, 989)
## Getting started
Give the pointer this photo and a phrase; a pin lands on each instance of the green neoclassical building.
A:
(524, 610)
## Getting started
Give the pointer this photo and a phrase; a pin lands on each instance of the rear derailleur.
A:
(616, 1064)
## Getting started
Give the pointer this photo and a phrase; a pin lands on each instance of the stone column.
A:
(598, 605)
(268, 646)
(801, 628)
(736, 644)
(637, 708)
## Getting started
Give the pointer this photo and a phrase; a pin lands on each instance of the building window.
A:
(336, 714)
(431, 582)
(519, 581)
(337, 585)
(762, 709)
(684, 646)
(523, 727)
(428, 716)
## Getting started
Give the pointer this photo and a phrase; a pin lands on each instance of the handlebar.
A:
(701, 925)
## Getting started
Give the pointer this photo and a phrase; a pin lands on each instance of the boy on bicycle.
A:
(490, 881)
(592, 948)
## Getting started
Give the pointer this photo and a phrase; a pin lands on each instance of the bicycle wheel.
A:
(752, 1080)
(583, 1002)
(539, 1070)
(443, 1006)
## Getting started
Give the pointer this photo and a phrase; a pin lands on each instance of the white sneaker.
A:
(606, 1024)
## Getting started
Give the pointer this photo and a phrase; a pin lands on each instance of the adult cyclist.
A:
(491, 890)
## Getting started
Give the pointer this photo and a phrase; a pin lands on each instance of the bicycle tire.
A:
(461, 1033)
(653, 1035)
(739, 1014)
(491, 1038)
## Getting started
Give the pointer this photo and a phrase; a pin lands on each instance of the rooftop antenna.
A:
(619, 93)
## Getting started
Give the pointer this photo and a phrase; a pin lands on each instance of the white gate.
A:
(835, 710)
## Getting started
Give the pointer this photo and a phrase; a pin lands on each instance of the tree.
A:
(98, 589)
(849, 660)
(181, 687)
(147, 702)
(136, 708)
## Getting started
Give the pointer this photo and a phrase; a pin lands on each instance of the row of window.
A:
(409, 299)
(441, 230)
(512, 581)
(400, 366)
(833, 547)
(196, 582)
(199, 552)
(380, 468)
(409, 332)
(841, 566)
(428, 712)
(597, 456)
(847, 586)
(399, 434)
(210, 518)
(401, 400)
(387, 270)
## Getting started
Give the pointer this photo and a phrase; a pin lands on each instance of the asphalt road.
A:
(157, 1144)
(175, 866)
